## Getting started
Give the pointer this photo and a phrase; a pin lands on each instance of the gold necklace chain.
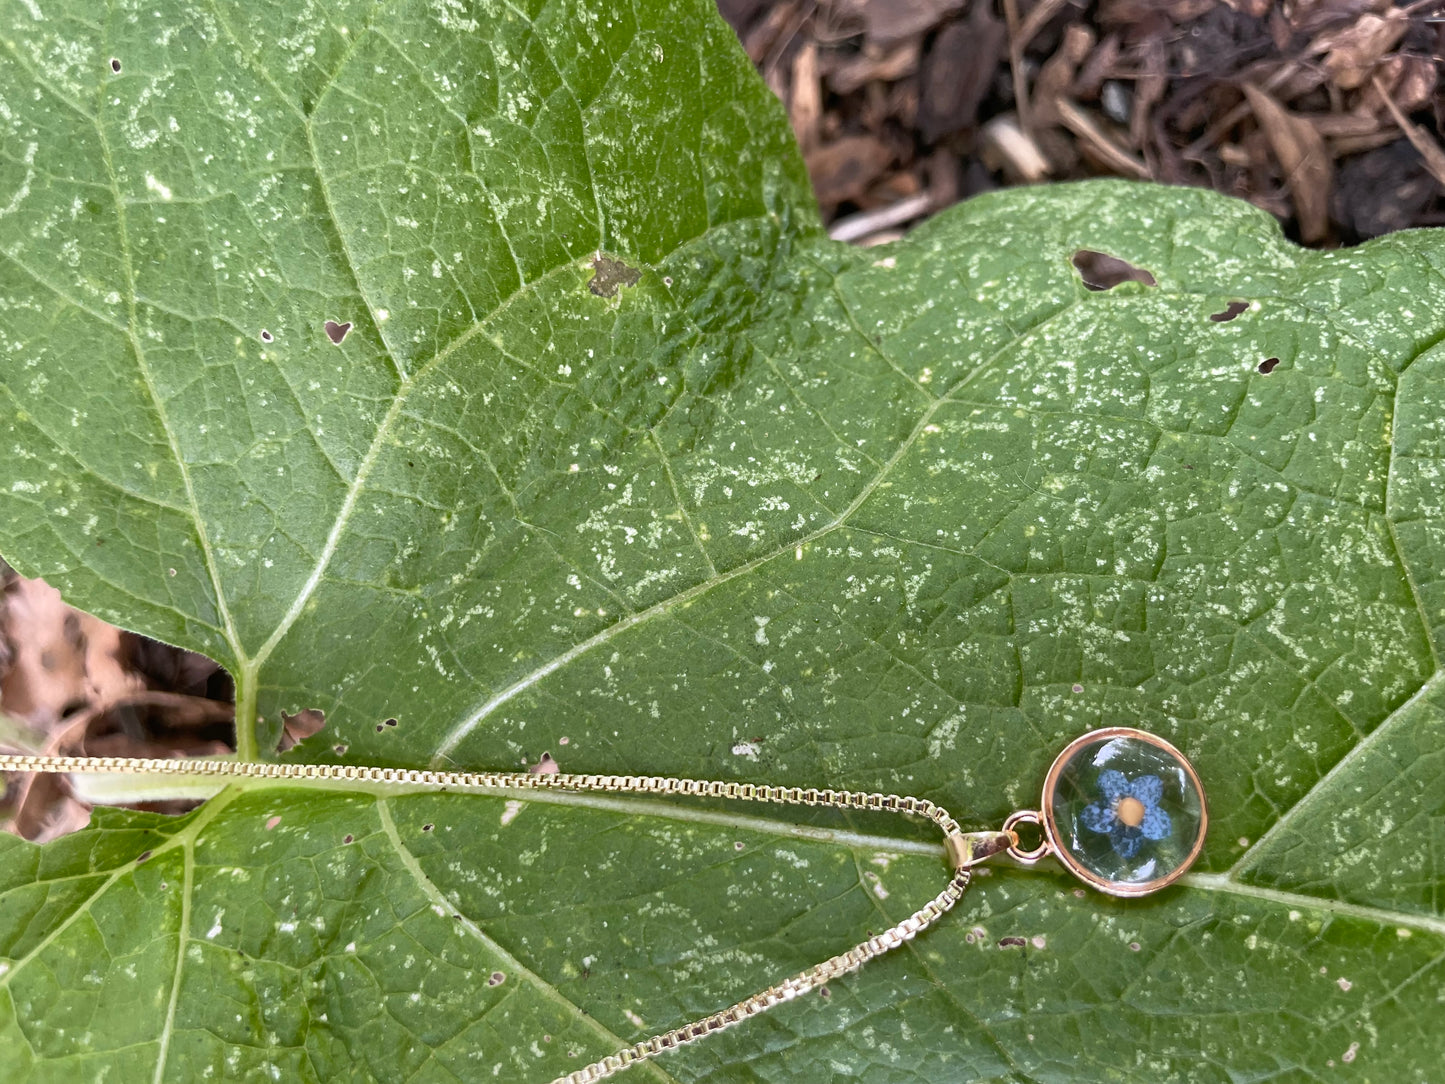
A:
(964, 849)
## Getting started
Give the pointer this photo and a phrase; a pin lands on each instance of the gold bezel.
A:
(1051, 829)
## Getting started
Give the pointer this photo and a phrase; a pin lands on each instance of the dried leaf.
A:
(805, 103)
(843, 170)
(1352, 53)
(1303, 159)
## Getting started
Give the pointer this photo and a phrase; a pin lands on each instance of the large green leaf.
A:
(745, 504)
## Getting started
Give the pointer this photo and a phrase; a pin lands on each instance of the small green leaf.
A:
(622, 460)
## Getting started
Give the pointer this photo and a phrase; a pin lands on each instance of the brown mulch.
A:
(1329, 114)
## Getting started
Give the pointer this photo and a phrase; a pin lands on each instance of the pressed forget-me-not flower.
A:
(1129, 812)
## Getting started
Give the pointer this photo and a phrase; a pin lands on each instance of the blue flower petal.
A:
(1156, 824)
(1097, 818)
(1114, 785)
(1148, 789)
(1126, 841)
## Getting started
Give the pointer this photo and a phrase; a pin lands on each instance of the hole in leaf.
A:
(1233, 309)
(1078, 688)
(427, 827)
(545, 766)
(379, 728)
(115, 65)
(823, 991)
(339, 748)
(1011, 942)
(388, 722)
(297, 728)
(266, 336)
(1268, 364)
(142, 857)
(336, 332)
(611, 274)
(348, 838)
(496, 978)
(737, 844)
(1100, 271)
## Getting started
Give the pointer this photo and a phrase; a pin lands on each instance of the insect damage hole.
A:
(610, 275)
(1100, 271)
(1233, 309)
(496, 978)
(115, 65)
(336, 332)
(266, 336)
(1268, 364)
(297, 728)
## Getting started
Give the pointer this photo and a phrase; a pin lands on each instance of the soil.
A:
(1327, 113)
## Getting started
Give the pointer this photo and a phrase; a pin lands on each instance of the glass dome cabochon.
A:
(1124, 811)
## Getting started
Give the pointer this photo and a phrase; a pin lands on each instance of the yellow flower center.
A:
(1130, 812)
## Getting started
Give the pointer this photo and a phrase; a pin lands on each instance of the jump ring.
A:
(1027, 816)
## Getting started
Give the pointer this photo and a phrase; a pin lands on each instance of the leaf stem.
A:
(247, 747)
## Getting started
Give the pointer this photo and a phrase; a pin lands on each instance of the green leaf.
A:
(622, 460)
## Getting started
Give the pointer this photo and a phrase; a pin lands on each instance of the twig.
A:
(1220, 128)
(858, 226)
(1418, 137)
(1016, 62)
(1089, 130)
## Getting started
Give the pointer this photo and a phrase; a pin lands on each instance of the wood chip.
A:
(1352, 53)
(1006, 145)
(958, 72)
(1303, 158)
(1419, 138)
(1057, 74)
(805, 104)
(875, 65)
(859, 227)
(1098, 67)
(1038, 17)
(1095, 138)
(889, 21)
(843, 170)
(1148, 89)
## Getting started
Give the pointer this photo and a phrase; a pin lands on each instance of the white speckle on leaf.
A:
(155, 186)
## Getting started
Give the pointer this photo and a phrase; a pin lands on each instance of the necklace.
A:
(1121, 809)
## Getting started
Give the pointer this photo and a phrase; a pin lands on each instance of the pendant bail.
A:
(967, 849)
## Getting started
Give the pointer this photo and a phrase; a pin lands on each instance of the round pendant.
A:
(1123, 810)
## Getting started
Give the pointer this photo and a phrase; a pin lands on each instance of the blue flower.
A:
(1129, 813)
